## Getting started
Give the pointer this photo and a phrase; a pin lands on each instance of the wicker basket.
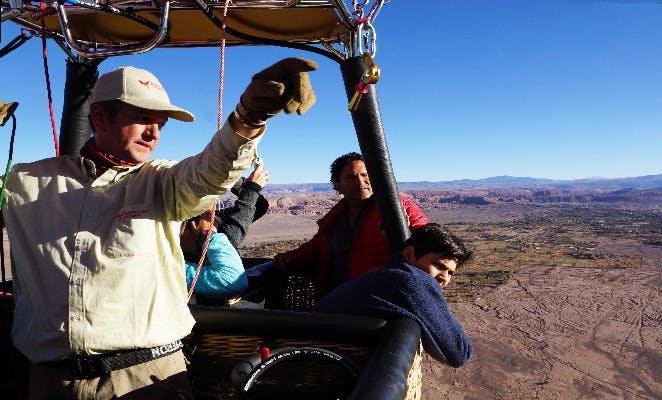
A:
(213, 351)
(215, 355)
(415, 377)
(211, 381)
(300, 294)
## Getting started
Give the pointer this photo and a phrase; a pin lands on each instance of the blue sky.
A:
(559, 89)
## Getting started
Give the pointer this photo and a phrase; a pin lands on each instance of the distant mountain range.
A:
(496, 182)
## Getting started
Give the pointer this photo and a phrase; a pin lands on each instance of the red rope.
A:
(202, 255)
(42, 7)
(219, 121)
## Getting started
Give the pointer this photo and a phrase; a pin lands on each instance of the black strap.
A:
(87, 367)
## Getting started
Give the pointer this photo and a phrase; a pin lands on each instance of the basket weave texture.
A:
(415, 377)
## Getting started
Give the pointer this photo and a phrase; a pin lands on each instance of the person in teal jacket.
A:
(222, 274)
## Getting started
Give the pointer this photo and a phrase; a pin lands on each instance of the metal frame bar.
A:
(129, 9)
(86, 53)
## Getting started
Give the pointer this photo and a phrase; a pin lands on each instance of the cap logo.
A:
(150, 84)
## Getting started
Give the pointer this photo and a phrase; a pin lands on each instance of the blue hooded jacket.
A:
(400, 289)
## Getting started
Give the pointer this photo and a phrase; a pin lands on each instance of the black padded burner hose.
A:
(370, 132)
(75, 127)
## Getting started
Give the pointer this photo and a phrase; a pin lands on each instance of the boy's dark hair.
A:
(341, 162)
(432, 238)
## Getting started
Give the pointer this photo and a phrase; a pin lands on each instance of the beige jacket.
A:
(98, 265)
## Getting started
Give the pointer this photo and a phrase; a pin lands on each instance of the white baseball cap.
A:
(137, 87)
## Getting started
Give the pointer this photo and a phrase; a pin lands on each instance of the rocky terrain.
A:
(496, 182)
(563, 300)
(315, 203)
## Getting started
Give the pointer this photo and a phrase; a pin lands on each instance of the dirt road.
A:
(558, 332)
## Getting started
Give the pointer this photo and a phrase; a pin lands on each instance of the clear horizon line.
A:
(492, 177)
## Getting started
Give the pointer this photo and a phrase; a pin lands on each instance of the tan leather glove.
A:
(6, 111)
(284, 86)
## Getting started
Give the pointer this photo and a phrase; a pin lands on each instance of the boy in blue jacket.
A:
(411, 285)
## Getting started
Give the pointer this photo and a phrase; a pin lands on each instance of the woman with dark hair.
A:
(222, 273)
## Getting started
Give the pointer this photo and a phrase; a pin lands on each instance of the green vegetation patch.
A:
(468, 284)
(270, 249)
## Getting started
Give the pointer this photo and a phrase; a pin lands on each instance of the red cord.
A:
(202, 255)
(42, 7)
(219, 121)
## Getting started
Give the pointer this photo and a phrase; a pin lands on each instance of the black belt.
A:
(86, 367)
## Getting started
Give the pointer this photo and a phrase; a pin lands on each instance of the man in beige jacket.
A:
(98, 274)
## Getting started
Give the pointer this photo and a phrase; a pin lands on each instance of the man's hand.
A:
(259, 175)
(6, 111)
(284, 86)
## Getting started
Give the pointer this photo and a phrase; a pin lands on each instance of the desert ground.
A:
(560, 302)
(555, 332)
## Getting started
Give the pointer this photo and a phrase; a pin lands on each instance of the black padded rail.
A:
(75, 126)
(384, 377)
(238, 321)
(370, 132)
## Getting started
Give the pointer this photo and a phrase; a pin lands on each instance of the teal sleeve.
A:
(223, 275)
